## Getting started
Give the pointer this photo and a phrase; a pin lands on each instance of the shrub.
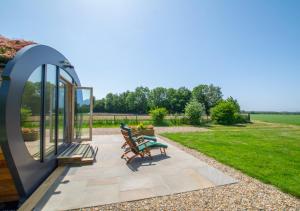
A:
(25, 114)
(242, 118)
(226, 112)
(194, 111)
(235, 103)
(141, 126)
(158, 115)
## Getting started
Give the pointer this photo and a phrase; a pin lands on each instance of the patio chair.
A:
(134, 135)
(141, 149)
(125, 127)
(136, 139)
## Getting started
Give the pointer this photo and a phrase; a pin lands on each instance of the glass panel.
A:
(50, 97)
(65, 75)
(83, 113)
(30, 113)
(61, 113)
(1, 70)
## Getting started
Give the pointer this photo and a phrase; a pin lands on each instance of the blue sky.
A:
(250, 48)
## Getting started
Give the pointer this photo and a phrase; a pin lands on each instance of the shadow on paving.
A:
(146, 161)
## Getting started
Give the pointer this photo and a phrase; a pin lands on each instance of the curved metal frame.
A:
(27, 172)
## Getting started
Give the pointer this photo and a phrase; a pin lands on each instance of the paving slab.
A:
(111, 180)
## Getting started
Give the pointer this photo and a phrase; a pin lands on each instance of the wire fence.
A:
(115, 118)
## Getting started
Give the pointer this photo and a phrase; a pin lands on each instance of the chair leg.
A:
(130, 159)
(126, 152)
(149, 153)
(124, 145)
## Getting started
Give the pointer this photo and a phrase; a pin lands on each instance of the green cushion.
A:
(151, 144)
(151, 138)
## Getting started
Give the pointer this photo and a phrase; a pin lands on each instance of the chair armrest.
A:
(134, 134)
(139, 139)
(143, 143)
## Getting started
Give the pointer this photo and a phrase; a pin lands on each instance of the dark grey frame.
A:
(27, 173)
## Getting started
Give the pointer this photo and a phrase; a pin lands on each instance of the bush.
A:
(158, 115)
(141, 126)
(226, 112)
(194, 111)
(25, 114)
(242, 118)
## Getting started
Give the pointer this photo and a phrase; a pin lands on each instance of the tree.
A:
(208, 96)
(99, 105)
(158, 98)
(183, 96)
(109, 102)
(194, 111)
(137, 101)
(235, 103)
(122, 103)
(172, 100)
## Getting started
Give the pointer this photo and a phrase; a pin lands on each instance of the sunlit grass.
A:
(292, 119)
(268, 152)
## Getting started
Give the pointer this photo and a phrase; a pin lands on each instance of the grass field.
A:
(268, 152)
(292, 119)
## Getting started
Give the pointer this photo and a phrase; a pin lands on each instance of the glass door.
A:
(65, 111)
(61, 113)
(83, 112)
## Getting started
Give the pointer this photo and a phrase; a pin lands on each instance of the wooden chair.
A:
(125, 130)
(141, 149)
(137, 139)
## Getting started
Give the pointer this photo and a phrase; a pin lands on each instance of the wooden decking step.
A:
(67, 152)
(90, 155)
(80, 150)
(77, 154)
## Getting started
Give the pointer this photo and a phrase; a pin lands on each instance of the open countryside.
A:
(293, 119)
(149, 105)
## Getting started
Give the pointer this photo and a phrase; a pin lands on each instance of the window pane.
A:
(65, 75)
(30, 113)
(61, 113)
(82, 113)
(50, 100)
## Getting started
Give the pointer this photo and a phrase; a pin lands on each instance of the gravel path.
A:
(247, 194)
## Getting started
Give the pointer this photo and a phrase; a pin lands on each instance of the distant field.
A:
(292, 119)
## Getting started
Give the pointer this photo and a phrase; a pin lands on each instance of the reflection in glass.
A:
(50, 97)
(61, 113)
(66, 76)
(30, 113)
(82, 113)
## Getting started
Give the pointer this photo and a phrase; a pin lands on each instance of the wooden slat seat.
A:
(78, 154)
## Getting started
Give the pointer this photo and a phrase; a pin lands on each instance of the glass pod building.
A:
(43, 109)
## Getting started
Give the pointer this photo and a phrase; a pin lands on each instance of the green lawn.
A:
(268, 152)
(292, 119)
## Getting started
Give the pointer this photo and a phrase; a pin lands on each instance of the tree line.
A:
(143, 99)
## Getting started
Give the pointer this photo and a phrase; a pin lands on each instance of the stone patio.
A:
(110, 180)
